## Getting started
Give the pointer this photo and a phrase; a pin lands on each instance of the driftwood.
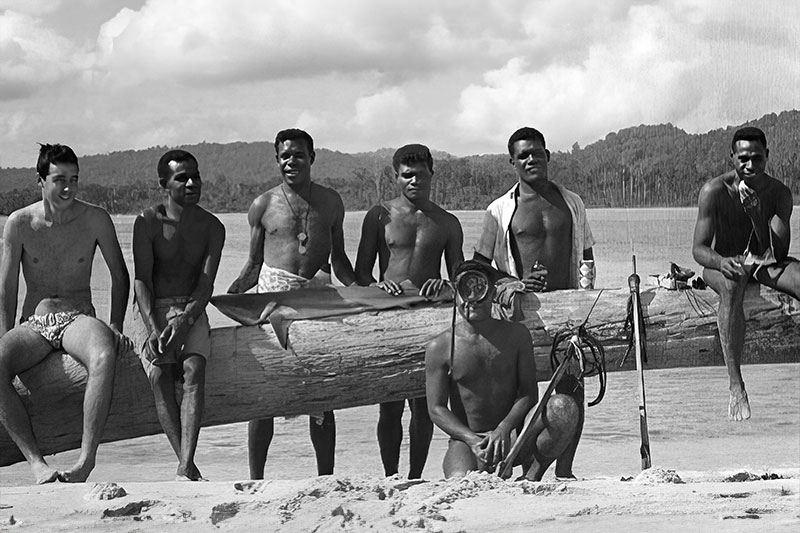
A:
(367, 358)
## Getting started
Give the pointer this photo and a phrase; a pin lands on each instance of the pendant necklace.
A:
(302, 237)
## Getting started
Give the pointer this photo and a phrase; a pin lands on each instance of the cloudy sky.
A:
(104, 75)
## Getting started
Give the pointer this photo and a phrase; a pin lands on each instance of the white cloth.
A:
(495, 243)
(271, 279)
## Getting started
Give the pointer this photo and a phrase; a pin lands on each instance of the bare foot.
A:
(739, 406)
(78, 473)
(43, 473)
(189, 473)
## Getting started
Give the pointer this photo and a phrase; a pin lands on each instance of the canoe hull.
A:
(369, 358)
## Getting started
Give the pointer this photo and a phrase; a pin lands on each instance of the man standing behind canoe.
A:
(177, 247)
(55, 241)
(525, 233)
(481, 387)
(742, 232)
(408, 234)
(294, 228)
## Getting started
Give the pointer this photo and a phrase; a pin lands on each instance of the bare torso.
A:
(542, 231)
(732, 226)
(414, 240)
(283, 223)
(179, 248)
(57, 257)
(484, 382)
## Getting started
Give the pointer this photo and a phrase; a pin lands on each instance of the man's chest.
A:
(414, 231)
(541, 219)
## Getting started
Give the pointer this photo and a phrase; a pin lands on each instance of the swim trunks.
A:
(271, 279)
(197, 341)
(52, 326)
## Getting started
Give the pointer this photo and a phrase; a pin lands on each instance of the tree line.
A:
(643, 166)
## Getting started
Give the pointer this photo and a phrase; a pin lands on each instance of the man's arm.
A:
(453, 255)
(112, 253)
(144, 294)
(779, 225)
(499, 443)
(484, 249)
(175, 332)
(730, 267)
(368, 247)
(9, 273)
(437, 390)
(248, 277)
(339, 261)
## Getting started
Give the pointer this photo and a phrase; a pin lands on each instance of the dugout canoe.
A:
(377, 355)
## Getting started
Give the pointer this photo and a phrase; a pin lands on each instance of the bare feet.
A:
(43, 473)
(189, 473)
(78, 473)
(739, 406)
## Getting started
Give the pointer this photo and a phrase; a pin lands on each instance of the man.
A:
(524, 235)
(488, 376)
(742, 233)
(294, 228)
(55, 241)
(409, 234)
(177, 247)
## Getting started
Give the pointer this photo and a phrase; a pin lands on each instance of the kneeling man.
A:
(54, 240)
(486, 372)
(177, 246)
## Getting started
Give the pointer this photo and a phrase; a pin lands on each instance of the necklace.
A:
(302, 237)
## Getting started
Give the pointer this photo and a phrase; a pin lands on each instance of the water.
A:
(686, 407)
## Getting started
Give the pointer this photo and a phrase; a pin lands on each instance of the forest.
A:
(642, 166)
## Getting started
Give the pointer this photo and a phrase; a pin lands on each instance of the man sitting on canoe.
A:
(294, 228)
(55, 241)
(742, 234)
(177, 247)
(408, 234)
(486, 371)
(524, 235)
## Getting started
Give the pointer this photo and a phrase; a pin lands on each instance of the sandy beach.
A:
(655, 500)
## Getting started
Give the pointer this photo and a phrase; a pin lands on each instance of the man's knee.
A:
(562, 412)
(392, 410)
(194, 370)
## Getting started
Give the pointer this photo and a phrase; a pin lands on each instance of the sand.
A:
(658, 499)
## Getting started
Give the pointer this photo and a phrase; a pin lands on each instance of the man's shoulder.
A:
(718, 184)
(327, 193)
(92, 212)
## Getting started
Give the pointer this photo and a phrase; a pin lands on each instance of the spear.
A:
(638, 324)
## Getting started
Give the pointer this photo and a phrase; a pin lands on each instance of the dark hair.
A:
(748, 133)
(525, 134)
(293, 134)
(412, 153)
(54, 153)
(178, 156)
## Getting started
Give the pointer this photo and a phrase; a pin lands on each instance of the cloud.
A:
(32, 56)
(30, 7)
(681, 64)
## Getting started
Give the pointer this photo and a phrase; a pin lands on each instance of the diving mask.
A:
(473, 286)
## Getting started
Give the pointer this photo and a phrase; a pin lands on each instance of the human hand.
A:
(747, 196)
(497, 445)
(536, 280)
(732, 267)
(431, 288)
(392, 287)
(173, 334)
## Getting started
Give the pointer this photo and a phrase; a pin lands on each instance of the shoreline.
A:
(659, 499)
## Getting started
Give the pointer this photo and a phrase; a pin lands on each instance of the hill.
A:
(646, 165)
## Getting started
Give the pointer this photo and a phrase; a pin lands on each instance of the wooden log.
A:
(368, 358)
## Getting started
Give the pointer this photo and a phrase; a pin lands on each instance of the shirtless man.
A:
(524, 235)
(742, 233)
(294, 228)
(55, 241)
(489, 380)
(177, 247)
(409, 234)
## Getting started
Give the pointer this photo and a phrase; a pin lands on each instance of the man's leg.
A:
(259, 437)
(731, 323)
(194, 375)
(20, 349)
(94, 345)
(783, 278)
(554, 433)
(420, 435)
(390, 435)
(162, 381)
(323, 437)
(572, 387)
(458, 460)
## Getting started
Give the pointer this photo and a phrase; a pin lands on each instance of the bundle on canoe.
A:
(377, 354)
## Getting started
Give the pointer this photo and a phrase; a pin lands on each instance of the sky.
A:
(107, 75)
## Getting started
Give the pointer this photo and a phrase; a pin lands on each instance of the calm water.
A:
(686, 407)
